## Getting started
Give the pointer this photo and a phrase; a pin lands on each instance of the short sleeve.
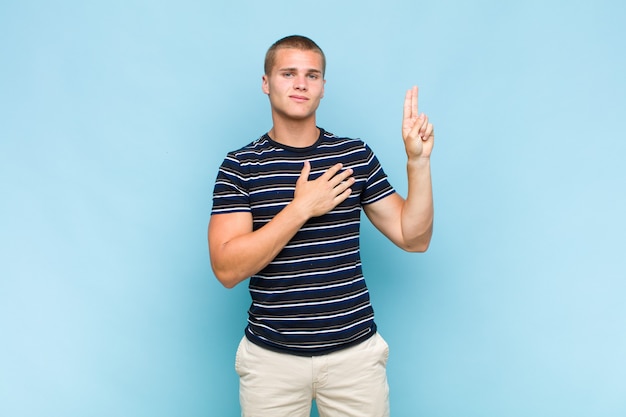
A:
(377, 185)
(230, 193)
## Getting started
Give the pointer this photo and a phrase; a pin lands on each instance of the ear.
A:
(323, 86)
(265, 85)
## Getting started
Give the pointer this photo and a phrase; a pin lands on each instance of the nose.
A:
(300, 83)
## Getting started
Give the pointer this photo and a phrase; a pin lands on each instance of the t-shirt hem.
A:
(309, 353)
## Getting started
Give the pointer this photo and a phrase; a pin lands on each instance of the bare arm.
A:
(409, 223)
(237, 252)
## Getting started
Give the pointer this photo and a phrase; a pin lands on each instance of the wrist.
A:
(418, 162)
(298, 211)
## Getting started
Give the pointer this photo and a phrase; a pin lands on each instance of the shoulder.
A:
(339, 143)
(257, 146)
(334, 138)
(259, 150)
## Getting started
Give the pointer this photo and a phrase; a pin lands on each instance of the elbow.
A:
(227, 275)
(420, 247)
(227, 279)
(224, 280)
(420, 244)
(423, 248)
(227, 284)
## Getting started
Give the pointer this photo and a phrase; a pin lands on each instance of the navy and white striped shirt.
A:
(312, 298)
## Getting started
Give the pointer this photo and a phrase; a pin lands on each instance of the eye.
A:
(313, 76)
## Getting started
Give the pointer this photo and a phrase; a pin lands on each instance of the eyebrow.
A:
(310, 70)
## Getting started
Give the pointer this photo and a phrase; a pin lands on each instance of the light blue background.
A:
(115, 115)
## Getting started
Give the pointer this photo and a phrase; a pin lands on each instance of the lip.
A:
(299, 99)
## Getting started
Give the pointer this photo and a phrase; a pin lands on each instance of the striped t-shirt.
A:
(312, 298)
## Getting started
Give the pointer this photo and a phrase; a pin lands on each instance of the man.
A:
(286, 212)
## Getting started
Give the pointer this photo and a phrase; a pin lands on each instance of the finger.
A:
(414, 133)
(424, 124)
(341, 177)
(407, 113)
(416, 130)
(331, 172)
(342, 185)
(414, 100)
(341, 197)
(429, 133)
(306, 170)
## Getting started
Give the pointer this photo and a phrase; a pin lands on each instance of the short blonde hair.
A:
(296, 42)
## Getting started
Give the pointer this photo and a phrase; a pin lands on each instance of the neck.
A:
(297, 134)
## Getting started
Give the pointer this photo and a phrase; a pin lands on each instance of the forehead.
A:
(298, 59)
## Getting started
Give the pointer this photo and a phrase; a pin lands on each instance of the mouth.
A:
(299, 99)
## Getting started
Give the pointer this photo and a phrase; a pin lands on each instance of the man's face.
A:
(295, 85)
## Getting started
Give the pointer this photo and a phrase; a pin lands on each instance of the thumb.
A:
(306, 170)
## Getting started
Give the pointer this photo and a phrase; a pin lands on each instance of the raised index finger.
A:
(407, 106)
(410, 104)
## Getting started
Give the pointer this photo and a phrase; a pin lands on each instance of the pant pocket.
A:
(239, 357)
(384, 349)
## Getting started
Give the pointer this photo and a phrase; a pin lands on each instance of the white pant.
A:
(348, 383)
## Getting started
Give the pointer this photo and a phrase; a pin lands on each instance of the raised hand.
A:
(320, 196)
(417, 132)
